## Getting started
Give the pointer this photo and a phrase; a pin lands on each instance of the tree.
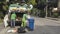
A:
(33, 2)
(58, 3)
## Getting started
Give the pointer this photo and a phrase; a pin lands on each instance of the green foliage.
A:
(43, 1)
(1, 20)
(55, 14)
(37, 12)
(33, 2)
(1, 15)
(5, 7)
(34, 11)
(2, 0)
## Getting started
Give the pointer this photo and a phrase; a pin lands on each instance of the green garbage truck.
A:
(19, 11)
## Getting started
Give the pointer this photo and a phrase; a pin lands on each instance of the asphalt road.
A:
(42, 26)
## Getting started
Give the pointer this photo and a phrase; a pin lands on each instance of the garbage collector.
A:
(13, 18)
(24, 6)
(24, 20)
(25, 16)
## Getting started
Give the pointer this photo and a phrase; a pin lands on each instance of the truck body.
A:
(19, 11)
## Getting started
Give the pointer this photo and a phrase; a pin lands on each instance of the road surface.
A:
(42, 26)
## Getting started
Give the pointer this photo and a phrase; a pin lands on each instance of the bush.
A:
(1, 20)
(37, 12)
(33, 2)
(55, 14)
(42, 13)
(1, 15)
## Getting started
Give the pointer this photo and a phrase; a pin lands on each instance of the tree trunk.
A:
(58, 3)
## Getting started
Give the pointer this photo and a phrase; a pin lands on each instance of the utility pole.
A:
(46, 8)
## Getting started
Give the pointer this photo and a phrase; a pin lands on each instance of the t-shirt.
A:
(13, 16)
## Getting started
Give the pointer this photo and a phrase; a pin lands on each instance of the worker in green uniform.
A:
(13, 18)
(24, 20)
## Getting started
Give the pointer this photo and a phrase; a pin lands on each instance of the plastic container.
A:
(31, 23)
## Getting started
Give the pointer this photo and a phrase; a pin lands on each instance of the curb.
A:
(56, 19)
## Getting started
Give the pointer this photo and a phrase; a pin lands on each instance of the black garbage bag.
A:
(21, 30)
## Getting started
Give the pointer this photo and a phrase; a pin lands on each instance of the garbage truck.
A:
(19, 10)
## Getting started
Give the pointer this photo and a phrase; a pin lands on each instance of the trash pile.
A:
(12, 31)
(18, 30)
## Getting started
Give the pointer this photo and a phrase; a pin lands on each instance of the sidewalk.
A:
(56, 19)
